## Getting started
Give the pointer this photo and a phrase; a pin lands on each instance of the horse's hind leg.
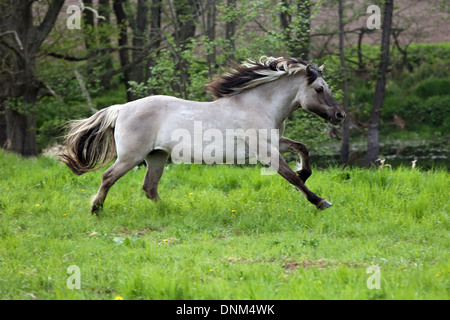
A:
(156, 161)
(110, 176)
(295, 146)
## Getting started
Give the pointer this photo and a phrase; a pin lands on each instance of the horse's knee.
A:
(302, 149)
(304, 174)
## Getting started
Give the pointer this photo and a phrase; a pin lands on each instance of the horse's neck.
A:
(276, 98)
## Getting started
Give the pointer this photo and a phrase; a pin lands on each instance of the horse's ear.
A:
(322, 66)
(309, 69)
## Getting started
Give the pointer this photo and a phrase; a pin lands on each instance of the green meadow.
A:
(223, 232)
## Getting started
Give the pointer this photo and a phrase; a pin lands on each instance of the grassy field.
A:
(223, 233)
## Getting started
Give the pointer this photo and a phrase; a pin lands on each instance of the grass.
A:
(223, 233)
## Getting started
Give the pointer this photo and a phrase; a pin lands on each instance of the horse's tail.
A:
(90, 142)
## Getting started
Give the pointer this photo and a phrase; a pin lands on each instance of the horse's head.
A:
(317, 98)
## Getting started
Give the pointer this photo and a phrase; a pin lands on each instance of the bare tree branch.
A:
(16, 37)
(49, 21)
(85, 91)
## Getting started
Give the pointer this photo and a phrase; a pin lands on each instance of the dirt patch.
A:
(319, 264)
(138, 233)
(306, 264)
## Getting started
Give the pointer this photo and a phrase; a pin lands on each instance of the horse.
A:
(253, 95)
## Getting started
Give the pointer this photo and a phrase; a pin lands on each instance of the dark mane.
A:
(250, 74)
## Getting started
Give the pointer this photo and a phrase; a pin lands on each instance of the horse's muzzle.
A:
(338, 117)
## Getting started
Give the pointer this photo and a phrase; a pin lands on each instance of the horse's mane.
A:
(250, 74)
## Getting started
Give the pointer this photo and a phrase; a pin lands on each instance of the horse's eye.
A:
(319, 90)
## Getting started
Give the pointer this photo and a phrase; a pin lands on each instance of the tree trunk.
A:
(139, 38)
(345, 147)
(304, 10)
(124, 58)
(3, 135)
(211, 33)
(155, 36)
(106, 61)
(21, 133)
(373, 147)
(18, 76)
(361, 66)
(298, 37)
(186, 14)
(88, 18)
(21, 125)
(155, 22)
(230, 30)
(103, 10)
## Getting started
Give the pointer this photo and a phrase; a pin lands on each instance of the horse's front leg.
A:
(295, 146)
(282, 168)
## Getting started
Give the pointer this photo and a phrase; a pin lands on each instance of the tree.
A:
(373, 146)
(20, 42)
(186, 14)
(345, 147)
(124, 57)
(295, 21)
(155, 36)
(140, 37)
(211, 33)
(230, 29)
(135, 66)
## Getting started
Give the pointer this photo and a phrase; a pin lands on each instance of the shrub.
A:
(433, 87)
(436, 109)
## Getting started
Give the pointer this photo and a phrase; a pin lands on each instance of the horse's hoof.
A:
(96, 209)
(324, 204)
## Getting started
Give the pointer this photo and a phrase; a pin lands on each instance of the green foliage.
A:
(109, 97)
(417, 92)
(53, 114)
(433, 87)
(430, 53)
(181, 69)
(434, 110)
(426, 102)
(166, 78)
(309, 129)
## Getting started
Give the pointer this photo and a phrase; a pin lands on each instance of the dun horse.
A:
(256, 95)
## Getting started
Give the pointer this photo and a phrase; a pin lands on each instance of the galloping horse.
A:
(255, 95)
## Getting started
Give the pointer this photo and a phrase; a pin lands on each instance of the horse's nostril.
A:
(340, 115)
